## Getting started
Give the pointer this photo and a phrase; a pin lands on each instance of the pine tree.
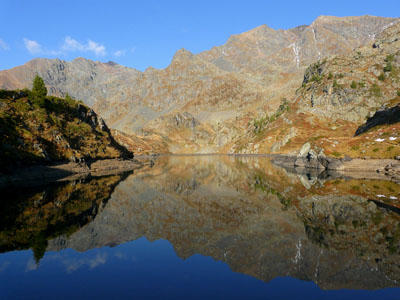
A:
(39, 88)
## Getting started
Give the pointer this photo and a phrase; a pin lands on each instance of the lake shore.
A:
(382, 168)
(60, 171)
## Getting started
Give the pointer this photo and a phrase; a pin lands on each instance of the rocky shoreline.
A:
(389, 168)
(43, 174)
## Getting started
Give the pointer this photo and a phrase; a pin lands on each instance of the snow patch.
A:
(393, 138)
(315, 42)
(393, 198)
(381, 196)
(379, 140)
(296, 51)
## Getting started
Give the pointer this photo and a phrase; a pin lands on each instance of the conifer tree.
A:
(39, 88)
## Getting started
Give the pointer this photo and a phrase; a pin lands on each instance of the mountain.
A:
(347, 105)
(204, 103)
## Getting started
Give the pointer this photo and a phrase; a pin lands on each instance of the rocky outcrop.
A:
(46, 129)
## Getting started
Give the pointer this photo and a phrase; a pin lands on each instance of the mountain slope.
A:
(337, 96)
(222, 89)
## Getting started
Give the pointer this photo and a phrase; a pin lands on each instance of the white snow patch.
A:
(296, 51)
(393, 138)
(381, 196)
(379, 140)
(393, 198)
(315, 43)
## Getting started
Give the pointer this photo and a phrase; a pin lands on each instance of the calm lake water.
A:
(203, 227)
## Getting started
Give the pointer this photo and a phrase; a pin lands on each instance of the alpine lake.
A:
(203, 227)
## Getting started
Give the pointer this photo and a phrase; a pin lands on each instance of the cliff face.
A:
(222, 89)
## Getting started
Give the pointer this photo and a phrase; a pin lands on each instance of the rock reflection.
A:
(258, 218)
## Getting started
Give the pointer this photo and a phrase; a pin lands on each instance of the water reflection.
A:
(259, 219)
(29, 217)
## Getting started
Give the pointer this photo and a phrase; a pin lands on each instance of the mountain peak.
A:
(182, 54)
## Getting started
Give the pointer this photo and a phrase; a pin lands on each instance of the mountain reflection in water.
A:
(259, 219)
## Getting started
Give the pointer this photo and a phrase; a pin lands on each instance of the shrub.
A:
(335, 153)
(381, 77)
(353, 85)
(335, 84)
(398, 93)
(390, 148)
(316, 78)
(375, 90)
(388, 67)
(330, 76)
(389, 58)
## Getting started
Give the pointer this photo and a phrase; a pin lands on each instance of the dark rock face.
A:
(381, 117)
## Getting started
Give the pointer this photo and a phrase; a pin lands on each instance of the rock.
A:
(304, 149)
(371, 206)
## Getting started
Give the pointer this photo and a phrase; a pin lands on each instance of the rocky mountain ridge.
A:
(223, 89)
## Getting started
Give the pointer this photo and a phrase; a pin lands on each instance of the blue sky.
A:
(146, 33)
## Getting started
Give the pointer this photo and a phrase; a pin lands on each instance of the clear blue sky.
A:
(147, 33)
